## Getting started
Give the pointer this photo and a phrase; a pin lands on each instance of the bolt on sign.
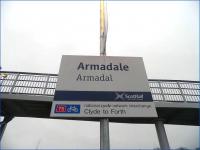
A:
(102, 86)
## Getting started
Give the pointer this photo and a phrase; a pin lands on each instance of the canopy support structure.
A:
(162, 136)
(3, 124)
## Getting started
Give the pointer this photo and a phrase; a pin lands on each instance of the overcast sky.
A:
(34, 36)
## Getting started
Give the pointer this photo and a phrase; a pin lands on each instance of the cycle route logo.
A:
(68, 108)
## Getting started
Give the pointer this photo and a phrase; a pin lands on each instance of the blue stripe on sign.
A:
(102, 96)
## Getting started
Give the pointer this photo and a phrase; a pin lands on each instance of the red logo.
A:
(60, 108)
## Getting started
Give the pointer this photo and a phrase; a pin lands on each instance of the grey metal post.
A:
(162, 136)
(104, 123)
(104, 134)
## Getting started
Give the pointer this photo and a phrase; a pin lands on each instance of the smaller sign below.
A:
(103, 109)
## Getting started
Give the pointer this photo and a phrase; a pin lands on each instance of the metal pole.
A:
(162, 136)
(103, 28)
(104, 123)
(104, 134)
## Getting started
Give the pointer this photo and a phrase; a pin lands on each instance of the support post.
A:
(104, 123)
(162, 136)
(3, 125)
(3, 128)
(104, 134)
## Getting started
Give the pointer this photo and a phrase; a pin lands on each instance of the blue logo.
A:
(68, 108)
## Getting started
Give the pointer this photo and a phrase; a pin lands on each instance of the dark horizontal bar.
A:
(102, 96)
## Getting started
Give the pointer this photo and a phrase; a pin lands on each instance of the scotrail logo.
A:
(119, 96)
(127, 96)
(67, 108)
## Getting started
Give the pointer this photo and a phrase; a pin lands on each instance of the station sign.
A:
(89, 86)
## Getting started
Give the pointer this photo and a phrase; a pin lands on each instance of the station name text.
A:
(110, 66)
(100, 67)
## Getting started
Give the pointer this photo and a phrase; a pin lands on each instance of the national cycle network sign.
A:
(102, 86)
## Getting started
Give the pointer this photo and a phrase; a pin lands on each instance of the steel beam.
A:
(162, 136)
(3, 125)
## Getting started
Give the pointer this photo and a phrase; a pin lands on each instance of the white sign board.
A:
(102, 80)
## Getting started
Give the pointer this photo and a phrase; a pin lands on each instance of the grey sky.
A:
(36, 34)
